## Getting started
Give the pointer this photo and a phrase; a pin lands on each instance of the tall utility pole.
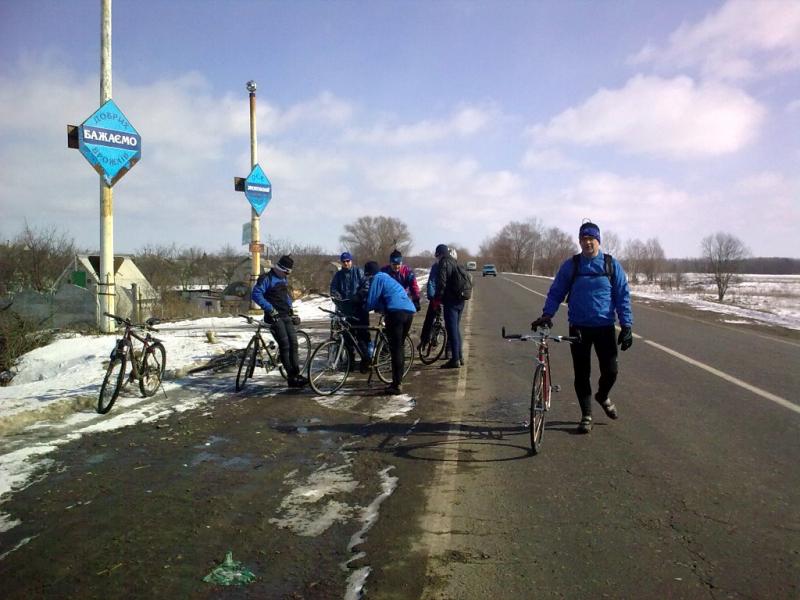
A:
(255, 220)
(106, 289)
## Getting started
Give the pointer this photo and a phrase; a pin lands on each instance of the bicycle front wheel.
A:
(112, 384)
(247, 364)
(154, 362)
(329, 367)
(432, 351)
(383, 359)
(537, 409)
(408, 355)
(303, 350)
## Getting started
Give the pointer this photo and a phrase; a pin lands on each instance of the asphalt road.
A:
(692, 493)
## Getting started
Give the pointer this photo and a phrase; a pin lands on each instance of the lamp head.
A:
(251, 86)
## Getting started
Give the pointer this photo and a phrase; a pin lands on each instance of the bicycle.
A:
(149, 370)
(260, 353)
(331, 362)
(542, 384)
(227, 360)
(437, 342)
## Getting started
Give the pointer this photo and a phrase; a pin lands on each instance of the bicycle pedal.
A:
(556, 388)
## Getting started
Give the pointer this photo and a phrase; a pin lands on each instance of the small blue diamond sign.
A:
(258, 189)
(109, 142)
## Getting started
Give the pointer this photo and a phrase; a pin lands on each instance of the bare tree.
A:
(374, 238)
(611, 243)
(34, 259)
(723, 254)
(556, 247)
(634, 257)
(653, 260)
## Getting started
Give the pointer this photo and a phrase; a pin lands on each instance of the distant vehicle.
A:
(472, 265)
(489, 270)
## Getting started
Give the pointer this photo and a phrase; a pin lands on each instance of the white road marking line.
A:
(709, 369)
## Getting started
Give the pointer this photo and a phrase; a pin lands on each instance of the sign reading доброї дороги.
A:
(109, 142)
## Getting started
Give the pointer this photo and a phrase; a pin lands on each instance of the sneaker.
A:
(450, 364)
(585, 426)
(364, 366)
(609, 409)
(393, 390)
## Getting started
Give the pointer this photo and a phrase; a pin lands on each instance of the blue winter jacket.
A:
(432, 277)
(594, 299)
(271, 292)
(345, 282)
(386, 294)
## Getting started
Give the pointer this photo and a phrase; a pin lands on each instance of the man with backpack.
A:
(453, 288)
(596, 288)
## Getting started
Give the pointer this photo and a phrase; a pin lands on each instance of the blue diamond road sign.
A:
(109, 142)
(258, 189)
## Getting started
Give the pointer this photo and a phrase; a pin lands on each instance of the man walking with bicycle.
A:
(596, 288)
(344, 291)
(271, 293)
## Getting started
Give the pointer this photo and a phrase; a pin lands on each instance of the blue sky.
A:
(671, 120)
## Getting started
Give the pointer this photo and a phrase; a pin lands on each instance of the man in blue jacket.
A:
(387, 296)
(344, 290)
(596, 288)
(271, 293)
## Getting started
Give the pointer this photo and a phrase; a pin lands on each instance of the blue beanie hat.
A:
(591, 230)
(345, 256)
(396, 257)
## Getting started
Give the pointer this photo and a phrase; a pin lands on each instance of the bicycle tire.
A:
(231, 358)
(154, 362)
(247, 364)
(329, 367)
(408, 355)
(382, 360)
(537, 419)
(112, 384)
(433, 350)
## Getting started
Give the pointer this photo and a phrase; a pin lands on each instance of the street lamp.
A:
(251, 86)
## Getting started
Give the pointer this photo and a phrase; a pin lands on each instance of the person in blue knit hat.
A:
(344, 290)
(596, 288)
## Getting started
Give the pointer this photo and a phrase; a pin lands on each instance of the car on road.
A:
(489, 270)
(472, 265)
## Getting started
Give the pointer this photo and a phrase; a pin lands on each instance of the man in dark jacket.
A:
(344, 289)
(271, 293)
(452, 304)
(596, 295)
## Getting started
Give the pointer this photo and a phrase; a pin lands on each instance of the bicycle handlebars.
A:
(148, 324)
(539, 336)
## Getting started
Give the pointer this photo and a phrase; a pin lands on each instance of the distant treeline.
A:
(760, 265)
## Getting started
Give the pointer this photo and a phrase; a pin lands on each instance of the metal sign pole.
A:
(106, 290)
(255, 220)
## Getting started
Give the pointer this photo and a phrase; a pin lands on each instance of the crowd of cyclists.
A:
(593, 284)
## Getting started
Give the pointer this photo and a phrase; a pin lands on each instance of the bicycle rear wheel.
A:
(382, 359)
(432, 351)
(408, 355)
(247, 364)
(329, 367)
(537, 409)
(112, 384)
(154, 362)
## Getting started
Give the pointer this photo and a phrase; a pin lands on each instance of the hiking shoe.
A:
(585, 426)
(393, 390)
(364, 366)
(609, 409)
(450, 364)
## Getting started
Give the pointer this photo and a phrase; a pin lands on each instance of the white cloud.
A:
(793, 106)
(743, 39)
(464, 122)
(675, 118)
(547, 159)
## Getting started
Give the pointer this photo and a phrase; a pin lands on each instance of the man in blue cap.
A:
(344, 288)
(403, 275)
(596, 288)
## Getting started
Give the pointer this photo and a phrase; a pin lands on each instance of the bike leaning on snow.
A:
(148, 367)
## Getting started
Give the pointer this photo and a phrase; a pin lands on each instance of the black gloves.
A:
(416, 304)
(543, 321)
(271, 317)
(625, 339)
(295, 320)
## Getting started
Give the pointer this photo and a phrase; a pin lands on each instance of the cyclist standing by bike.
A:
(344, 286)
(387, 296)
(271, 293)
(596, 288)
(448, 293)
(403, 275)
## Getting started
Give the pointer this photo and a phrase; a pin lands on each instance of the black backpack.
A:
(609, 270)
(463, 283)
